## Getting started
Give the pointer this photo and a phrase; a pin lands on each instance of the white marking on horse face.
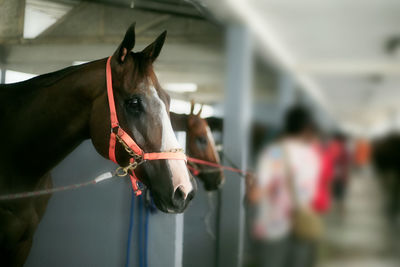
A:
(179, 171)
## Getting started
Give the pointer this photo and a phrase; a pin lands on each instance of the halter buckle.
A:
(123, 171)
(138, 158)
(112, 130)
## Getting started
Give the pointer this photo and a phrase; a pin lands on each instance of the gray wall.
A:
(200, 231)
(89, 226)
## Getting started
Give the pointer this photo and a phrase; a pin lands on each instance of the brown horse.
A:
(45, 118)
(200, 144)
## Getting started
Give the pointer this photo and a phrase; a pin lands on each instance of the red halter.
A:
(138, 156)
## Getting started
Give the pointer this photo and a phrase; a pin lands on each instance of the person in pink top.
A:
(327, 152)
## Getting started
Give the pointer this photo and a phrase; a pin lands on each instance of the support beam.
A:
(349, 67)
(12, 19)
(184, 10)
(68, 15)
(286, 94)
(101, 28)
(236, 125)
(171, 54)
(2, 76)
(152, 23)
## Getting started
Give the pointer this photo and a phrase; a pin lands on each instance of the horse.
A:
(43, 119)
(200, 144)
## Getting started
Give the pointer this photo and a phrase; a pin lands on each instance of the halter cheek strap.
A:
(138, 156)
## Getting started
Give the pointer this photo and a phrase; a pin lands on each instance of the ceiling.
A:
(88, 30)
(335, 48)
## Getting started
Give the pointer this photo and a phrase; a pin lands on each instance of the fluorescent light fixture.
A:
(40, 15)
(180, 106)
(16, 76)
(180, 87)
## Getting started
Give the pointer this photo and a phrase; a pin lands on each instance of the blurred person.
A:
(362, 155)
(341, 171)
(327, 152)
(285, 180)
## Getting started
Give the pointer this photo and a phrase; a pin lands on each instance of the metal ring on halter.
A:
(138, 158)
(123, 171)
(115, 127)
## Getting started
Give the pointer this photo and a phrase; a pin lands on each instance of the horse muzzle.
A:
(178, 201)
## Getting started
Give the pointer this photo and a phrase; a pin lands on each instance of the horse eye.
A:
(134, 104)
(201, 141)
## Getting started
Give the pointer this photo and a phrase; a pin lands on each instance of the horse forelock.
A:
(140, 74)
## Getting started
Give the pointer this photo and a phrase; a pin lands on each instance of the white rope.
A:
(208, 215)
(98, 179)
(104, 176)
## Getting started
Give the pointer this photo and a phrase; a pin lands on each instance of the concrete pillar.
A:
(286, 95)
(165, 240)
(235, 137)
(2, 75)
(166, 233)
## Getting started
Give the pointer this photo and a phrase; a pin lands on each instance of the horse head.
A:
(200, 144)
(142, 108)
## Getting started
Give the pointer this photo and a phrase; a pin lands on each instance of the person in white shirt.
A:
(269, 193)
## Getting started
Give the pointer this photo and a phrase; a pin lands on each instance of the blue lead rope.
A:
(140, 241)
(146, 234)
(143, 233)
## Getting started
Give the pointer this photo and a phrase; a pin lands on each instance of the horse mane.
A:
(51, 78)
(43, 80)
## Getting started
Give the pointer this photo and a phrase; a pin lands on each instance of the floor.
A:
(361, 236)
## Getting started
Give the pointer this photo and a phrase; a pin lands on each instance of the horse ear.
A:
(153, 50)
(192, 106)
(127, 44)
(201, 109)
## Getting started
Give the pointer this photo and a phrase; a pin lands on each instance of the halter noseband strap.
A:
(138, 156)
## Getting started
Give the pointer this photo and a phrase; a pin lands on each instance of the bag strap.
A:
(289, 175)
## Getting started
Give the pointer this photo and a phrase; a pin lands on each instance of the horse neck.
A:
(47, 117)
(179, 121)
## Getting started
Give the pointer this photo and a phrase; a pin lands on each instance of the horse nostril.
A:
(180, 198)
(179, 195)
